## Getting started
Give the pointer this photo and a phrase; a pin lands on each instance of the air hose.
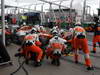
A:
(21, 66)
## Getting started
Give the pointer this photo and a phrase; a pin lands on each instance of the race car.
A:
(22, 32)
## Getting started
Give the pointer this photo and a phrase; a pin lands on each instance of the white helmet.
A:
(61, 31)
(34, 30)
(55, 27)
(41, 27)
(71, 30)
(24, 23)
(56, 37)
(54, 31)
(78, 23)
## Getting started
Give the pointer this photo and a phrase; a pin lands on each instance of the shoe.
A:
(52, 62)
(90, 68)
(93, 51)
(37, 64)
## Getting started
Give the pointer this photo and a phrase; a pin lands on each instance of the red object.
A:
(38, 43)
(83, 44)
(33, 49)
(53, 47)
(14, 20)
(87, 62)
(95, 40)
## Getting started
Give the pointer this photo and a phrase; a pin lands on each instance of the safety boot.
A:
(90, 68)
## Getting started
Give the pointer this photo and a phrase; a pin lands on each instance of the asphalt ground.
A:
(67, 67)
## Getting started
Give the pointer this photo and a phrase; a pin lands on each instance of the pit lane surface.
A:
(68, 67)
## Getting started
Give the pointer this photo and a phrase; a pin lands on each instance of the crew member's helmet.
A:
(24, 23)
(79, 31)
(56, 37)
(34, 30)
(62, 31)
(71, 30)
(78, 24)
(55, 33)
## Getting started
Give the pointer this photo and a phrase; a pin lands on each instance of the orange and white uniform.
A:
(81, 43)
(31, 43)
(35, 49)
(33, 37)
(56, 44)
(96, 37)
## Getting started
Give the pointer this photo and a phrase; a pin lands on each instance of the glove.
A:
(18, 55)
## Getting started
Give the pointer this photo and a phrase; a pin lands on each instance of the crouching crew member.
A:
(56, 43)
